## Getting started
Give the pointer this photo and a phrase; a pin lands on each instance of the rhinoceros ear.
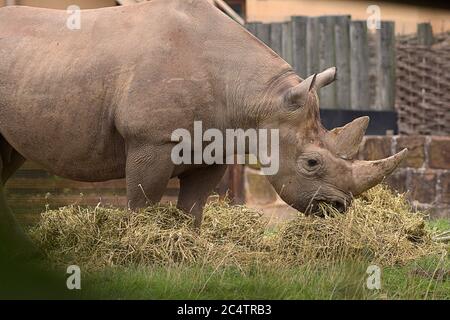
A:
(299, 94)
(326, 77)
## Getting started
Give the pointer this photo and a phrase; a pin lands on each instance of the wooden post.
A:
(251, 27)
(359, 66)
(286, 39)
(237, 191)
(312, 43)
(373, 53)
(386, 66)
(327, 58)
(342, 45)
(299, 27)
(276, 42)
(223, 187)
(425, 34)
(425, 38)
(263, 32)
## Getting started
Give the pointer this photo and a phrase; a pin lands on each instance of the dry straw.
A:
(379, 227)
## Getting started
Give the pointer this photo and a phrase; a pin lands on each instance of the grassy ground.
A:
(425, 279)
(420, 280)
(440, 224)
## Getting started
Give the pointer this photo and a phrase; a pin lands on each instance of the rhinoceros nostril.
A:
(340, 206)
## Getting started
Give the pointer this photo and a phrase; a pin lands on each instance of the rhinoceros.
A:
(101, 102)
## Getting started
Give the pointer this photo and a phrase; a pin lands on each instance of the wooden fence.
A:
(33, 190)
(365, 60)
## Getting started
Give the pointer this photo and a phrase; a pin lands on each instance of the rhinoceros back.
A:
(56, 93)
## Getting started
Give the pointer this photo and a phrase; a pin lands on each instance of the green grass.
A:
(439, 224)
(428, 278)
(335, 281)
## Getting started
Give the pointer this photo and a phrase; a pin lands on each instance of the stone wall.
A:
(424, 175)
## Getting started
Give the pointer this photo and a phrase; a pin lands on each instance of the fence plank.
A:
(327, 58)
(373, 69)
(287, 42)
(312, 42)
(425, 34)
(263, 32)
(342, 43)
(251, 27)
(276, 31)
(359, 57)
(299, 27)
(386, 66)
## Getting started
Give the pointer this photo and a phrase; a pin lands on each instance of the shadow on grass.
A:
(24, 274)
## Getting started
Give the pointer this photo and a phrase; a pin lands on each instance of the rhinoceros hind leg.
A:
(195, 188)
(148, 171)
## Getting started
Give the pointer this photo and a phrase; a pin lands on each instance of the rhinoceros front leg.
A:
(148, 171)
(195, 187)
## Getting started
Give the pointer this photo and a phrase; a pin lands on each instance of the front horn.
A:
(367, 174)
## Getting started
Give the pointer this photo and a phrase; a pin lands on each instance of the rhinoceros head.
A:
(317, 165)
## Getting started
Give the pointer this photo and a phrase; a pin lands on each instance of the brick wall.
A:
(424, 175)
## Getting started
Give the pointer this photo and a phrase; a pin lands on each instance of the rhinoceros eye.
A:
(293, 107)
(312, 163)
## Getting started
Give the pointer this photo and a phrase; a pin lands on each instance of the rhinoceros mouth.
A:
(338, 203)
(340, 206)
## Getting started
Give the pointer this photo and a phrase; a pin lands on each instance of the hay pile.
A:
(160, 234)
(379, 227)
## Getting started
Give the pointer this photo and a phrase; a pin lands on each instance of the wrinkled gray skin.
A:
(102, 102)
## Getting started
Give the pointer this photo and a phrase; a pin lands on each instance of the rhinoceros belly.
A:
(69, 130)
(66, 147)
